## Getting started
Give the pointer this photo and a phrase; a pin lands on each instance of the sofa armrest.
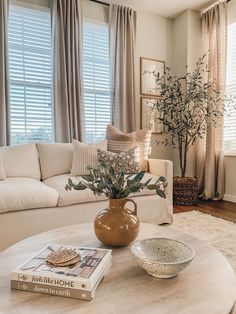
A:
(161, 167)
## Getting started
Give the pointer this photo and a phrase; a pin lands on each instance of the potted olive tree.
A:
(187, 107)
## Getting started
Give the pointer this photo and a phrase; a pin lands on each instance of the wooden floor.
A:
(221, 209)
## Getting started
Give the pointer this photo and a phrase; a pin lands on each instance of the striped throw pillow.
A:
(85, 155)
(2, 170)
(119, 141)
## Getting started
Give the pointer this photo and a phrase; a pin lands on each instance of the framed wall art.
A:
(150, 116)
(148, 69)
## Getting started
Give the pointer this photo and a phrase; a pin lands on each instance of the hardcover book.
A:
(82, 276)
(58, 291)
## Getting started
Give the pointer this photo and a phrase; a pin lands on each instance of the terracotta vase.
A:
(117, 225)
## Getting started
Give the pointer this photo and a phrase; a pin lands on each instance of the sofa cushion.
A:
(119, 141)
(21, 161)
(70, 197)
(55, 159)
(75, 197)
(85, 155)
(2, 170)
(124, 161)
(25, 193)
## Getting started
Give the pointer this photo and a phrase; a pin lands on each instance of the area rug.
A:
(218, 232)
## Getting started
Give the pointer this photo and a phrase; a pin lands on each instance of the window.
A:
(97, 107)
(31, 112)
(230, 119)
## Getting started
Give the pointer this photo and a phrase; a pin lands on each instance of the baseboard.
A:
(230, 198)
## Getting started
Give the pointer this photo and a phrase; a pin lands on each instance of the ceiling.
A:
(166, 8)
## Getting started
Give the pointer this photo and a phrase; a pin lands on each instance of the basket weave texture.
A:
(185, 191)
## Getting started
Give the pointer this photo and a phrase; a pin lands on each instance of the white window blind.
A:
(31, 112)
(230, 117)
(97, 107)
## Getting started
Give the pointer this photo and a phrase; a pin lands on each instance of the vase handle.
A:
(135, 205)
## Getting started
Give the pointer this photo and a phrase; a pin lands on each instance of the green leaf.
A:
(68, 188)
(129, 182)
(152, 187)
(101, 186)
(139, 176)
(80, 186)
(88, 178)
(70, 182)
(121, 178)
(163, 179)
(112, 172)
(160, 193)
(147, 182)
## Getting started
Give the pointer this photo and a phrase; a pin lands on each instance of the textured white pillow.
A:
(2, 170)
(85, 155)
(55, 159)
(21, 161)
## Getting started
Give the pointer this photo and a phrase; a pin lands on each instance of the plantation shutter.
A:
(230, 117)
(31, 112)
(97, 107)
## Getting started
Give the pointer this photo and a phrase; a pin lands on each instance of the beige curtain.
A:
(122, 22)
(210, 162)
(67, 70)
(4, 81)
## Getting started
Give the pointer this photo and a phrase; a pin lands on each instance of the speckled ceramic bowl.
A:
(162, 257)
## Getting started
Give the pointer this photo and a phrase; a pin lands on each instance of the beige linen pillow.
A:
(119, 141)
(21, 161)
(55, 159)
(85, 155)
(124, 161)
(2, 170)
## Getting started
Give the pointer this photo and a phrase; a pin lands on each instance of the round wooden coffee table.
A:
(207, 286)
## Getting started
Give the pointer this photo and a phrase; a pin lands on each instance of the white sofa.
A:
(33, 197)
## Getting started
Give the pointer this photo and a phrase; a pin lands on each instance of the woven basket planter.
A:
(185, 191)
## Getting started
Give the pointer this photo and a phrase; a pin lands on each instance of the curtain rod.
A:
(212, 5)
(101, 2)
(107, 4)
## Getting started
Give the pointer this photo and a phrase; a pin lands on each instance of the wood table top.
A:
(206, 286)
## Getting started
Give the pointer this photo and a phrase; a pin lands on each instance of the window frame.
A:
(228, 153)
(108, 93)
(31, 84)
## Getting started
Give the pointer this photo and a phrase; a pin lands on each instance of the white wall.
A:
(186, 51)
(180, 41)
(154, 40)
(93, 10)
(232, 10)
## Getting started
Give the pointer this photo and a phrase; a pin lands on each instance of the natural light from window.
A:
(230, 117)
(97, 107)
(31, 111)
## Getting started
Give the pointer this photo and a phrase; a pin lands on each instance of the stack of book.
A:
(78, 281)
